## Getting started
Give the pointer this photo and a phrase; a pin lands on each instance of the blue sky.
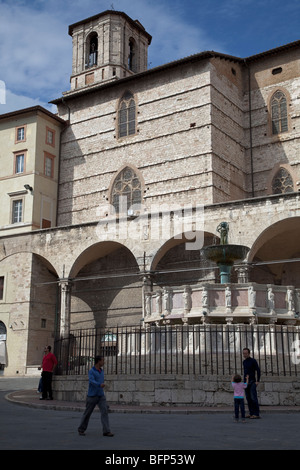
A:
(36, 50)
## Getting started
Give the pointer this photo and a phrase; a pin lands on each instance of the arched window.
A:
(92, 50)
(132, 55)
(279, 113)
(126, 191)
(282, 182)
(127, 116)
(2, 328)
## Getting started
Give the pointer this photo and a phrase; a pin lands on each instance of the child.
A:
(238, 394)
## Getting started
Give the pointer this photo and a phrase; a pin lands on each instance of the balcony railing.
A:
(224, 303)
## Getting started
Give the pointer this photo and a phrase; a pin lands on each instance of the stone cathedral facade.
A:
(151, 161)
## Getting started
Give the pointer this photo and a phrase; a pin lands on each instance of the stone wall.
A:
(192, 141)
(172, 148)
(178, 390)
(31, 263)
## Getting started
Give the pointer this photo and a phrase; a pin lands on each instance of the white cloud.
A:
(36, 50)
(35, 56)
(15, 101)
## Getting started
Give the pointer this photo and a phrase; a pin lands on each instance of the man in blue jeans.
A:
(95, 396)
(251, 369)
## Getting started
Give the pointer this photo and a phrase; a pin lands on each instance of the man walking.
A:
(95, 397)
(252, 370)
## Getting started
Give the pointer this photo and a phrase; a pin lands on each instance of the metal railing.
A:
(181, 349)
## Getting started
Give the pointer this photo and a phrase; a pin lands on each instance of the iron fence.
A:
(187, 349)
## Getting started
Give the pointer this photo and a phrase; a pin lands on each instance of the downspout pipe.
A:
(250, 127)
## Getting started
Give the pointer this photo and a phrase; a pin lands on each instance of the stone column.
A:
(271, 300)
(290, 297)
(146, 294)
(65, 307)
(187, 299)
(148, 304)
(228, 300)
(167, 300)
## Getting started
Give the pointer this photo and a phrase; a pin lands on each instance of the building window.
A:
(17, 211)
(132, 55)
(92, 49)
(50, 137)
(19, 163)
(126, 191)
(282, 182)
(43, 322)
(49, 165)
(279, 113)
(20, 134)
(127, 116)
(1, 288)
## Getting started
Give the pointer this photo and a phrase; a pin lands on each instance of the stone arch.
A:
(93, 252)
(31, 307)
(91, 49)
(133, 55)
(176, 262)
(106, 287)
(279, 245)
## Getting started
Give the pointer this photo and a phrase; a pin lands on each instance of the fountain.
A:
(224, 255)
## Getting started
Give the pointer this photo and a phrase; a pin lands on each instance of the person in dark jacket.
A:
(252, 370)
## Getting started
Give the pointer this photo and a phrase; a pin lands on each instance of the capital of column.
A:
(65, 284)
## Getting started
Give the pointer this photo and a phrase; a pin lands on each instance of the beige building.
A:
(149, 159)
(29, 156)
(29, 153)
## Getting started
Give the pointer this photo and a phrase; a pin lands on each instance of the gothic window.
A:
(127, 116)
(282, 182)
(279, 113)
(132, 55)
(126, 191)
(92, 50)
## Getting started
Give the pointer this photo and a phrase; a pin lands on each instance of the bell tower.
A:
(106, 47)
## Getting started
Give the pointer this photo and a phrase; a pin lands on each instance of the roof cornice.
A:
(31, 110)
(134, 23)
